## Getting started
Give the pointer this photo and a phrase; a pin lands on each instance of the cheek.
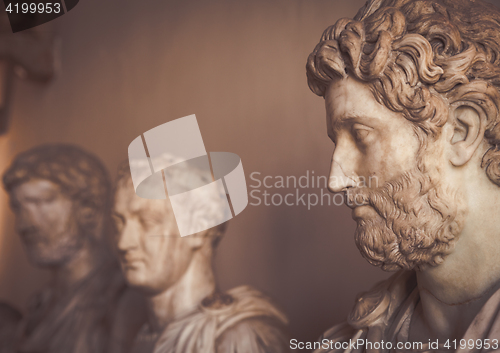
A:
(173, 260)
(159, 253)
(403, 150)
(373, 163)
(58, 217)
(390, 156)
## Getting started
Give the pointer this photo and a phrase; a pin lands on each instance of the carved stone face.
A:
(405, 217)
(153, 255)
(372, 143)
(46, 222)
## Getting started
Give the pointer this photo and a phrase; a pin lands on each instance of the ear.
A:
(204, 238)
(198, 240)
(469, 126)
(86, 215)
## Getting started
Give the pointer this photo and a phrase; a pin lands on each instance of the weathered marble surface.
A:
(412, 95)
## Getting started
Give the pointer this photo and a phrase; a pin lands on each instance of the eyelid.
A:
(50, 198)
(150, 221)
(358, 126)
(118, 216)
(361, 131)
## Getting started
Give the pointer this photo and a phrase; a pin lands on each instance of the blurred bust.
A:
(186, 311)
(412, 94)
(10, 319)
(60, 196)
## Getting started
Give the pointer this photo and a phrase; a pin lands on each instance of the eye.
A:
(360, 132)
(148, 223)
(50, 198)
(119, 221)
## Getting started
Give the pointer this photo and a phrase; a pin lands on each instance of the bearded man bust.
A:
(60, 195)
(412, 95)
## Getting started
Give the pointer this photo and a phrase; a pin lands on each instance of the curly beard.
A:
(417, 221)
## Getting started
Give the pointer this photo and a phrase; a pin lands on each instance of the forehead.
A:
(35, 188)
(350, 99)
(128, 203)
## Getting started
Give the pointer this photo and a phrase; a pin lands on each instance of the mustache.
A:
(392, 197)
(357, 197)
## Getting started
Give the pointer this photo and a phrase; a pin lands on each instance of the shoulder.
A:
(376, 306)
(254, 335)
(337, 334)
(382, 300)
(241, 303)
(10, 319)
(248, 322)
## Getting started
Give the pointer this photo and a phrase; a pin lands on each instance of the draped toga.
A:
(242, 320)
(385, 312)
(80, 322)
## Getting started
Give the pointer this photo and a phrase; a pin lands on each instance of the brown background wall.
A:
(128, 66)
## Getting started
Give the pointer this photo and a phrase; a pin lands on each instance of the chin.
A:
(132, 276)
(135, 277)
(135, 282)
(145, 283)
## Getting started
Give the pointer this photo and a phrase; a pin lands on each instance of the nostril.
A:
(332, 185)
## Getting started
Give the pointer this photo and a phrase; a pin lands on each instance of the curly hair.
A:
(418, 58)
(80, 175)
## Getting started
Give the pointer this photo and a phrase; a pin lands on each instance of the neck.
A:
(185, 295)
(80, 266)
(452, 293)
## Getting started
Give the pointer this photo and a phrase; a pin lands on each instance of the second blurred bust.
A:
(186, 311)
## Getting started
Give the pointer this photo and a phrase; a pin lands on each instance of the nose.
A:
(341, 175)
(127, 239)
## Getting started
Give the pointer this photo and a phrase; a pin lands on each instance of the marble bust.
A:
(10, 319)
(412, 96)
(60, 196)
(187, 313)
